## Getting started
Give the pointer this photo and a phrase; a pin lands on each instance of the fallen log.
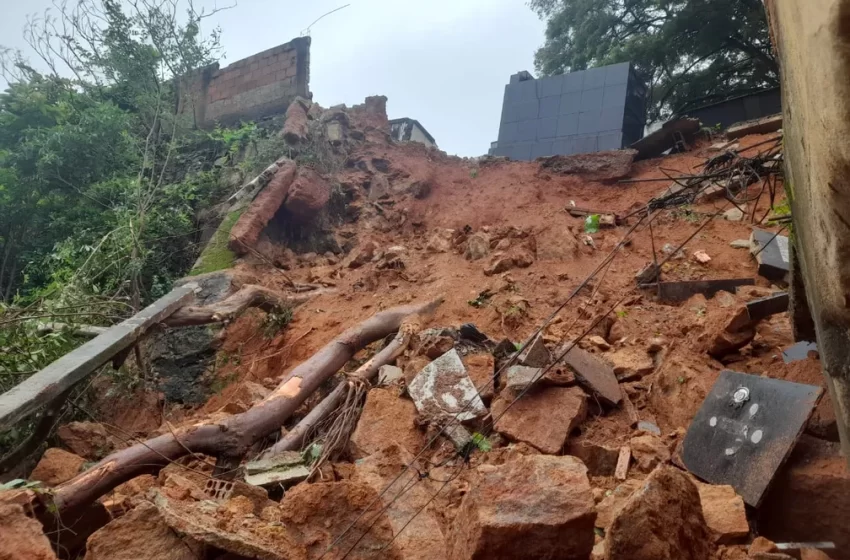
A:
(295, 439)
(249, 295)
(232, 437)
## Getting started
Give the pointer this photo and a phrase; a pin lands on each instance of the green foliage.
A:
(481, 442)
(591, 223)
(217, 255)
(275, 321)
(690, 52)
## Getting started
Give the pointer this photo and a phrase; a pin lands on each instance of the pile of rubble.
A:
(557, 405)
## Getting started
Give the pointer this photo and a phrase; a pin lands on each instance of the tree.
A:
(690, 52)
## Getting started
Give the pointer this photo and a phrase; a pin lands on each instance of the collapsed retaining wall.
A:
(252, 88)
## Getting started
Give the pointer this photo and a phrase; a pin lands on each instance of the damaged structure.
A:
(467, 370)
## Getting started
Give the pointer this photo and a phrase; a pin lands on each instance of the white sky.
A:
(443, 62)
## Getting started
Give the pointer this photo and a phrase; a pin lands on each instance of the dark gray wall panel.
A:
(549, 106)
(547, 128)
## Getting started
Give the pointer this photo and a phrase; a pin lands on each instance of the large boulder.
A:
(21, 536)
(662, 520)
(597, 166)
(142, 533)
(56, 466)
(246, 231)
(536, 506)
(89, 440)
(386, 420)
(308, 194)
(542, 418)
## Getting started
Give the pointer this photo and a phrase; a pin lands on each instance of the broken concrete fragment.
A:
(763, 125)
(251, 223)
(536, 354)
(733, 215)
(536, 506)
(387, 375)
(724, 512)
(661, 521)
(413, 520)
(443, 388)
(386, 420)
(519, 378)
(22, 536)
(772, 254)
(595, 375)
(741, 244)
(624, 457)
(308, 195)
(598, 166)
(56, 466)
(295, 128)
(141, 533)
(286, 468)
(649, 452)
(543, 418)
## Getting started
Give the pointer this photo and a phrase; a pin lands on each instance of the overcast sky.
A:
(443, 62)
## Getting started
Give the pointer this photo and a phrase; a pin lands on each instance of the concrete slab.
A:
(443, 389)
(595, 375)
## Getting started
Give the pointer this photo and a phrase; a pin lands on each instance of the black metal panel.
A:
(745, 429)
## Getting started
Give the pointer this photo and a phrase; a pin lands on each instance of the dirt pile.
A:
(490, 439)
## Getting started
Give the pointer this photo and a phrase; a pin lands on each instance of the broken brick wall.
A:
(252, 88)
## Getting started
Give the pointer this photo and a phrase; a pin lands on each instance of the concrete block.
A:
(568, 125)
(526, 131)
(521, 152)
(510, 112)
(610, 141)
(548, 87)
(541, 149)
(547, 128)
(508, 132)
(617, 74)
(588, 122)
(591, 99)
(594, 78)
(574, 81)
(570, 103)
(585, 144)
(527, 110)
(549, 107)
(527, 91)
(614, 95)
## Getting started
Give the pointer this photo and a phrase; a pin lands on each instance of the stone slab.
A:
(594, 374)
(443, 389)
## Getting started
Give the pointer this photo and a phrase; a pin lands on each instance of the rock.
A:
(613, 501)
(422, 538)
(499, 264)
(536, 506)
(661, 521)
(89, 440)
(379, 187)
(656, 345)
(631, 363)
(360, 255)
(701, 257)
(536, 354)
(386, 420)
(308, 195)
(141, 533)
(388, 375)
(481, 368)
(809, 499)
(724, 512)
(741, 244)
(733, 215)
(22, 536)
(600, 460)
(649, 427)
(320, 512)
(761, 545)
(295, 128)
(477, 247)
(648, 452)
(518, 378)
(247, 229)
(441, 241)
(598, 166)
(813, 554)
(542, 418)
(56, 466)
(433, 345)
(595, 374)
(443, 388)
(729, 332)
(599, 342)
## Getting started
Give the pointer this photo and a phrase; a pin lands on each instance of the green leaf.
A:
(591, 223)
(481, 442)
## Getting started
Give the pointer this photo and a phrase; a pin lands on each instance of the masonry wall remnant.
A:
(249, 89)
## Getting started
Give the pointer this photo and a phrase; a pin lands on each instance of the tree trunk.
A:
(247, 296)
(233, 437)
(294, 440)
